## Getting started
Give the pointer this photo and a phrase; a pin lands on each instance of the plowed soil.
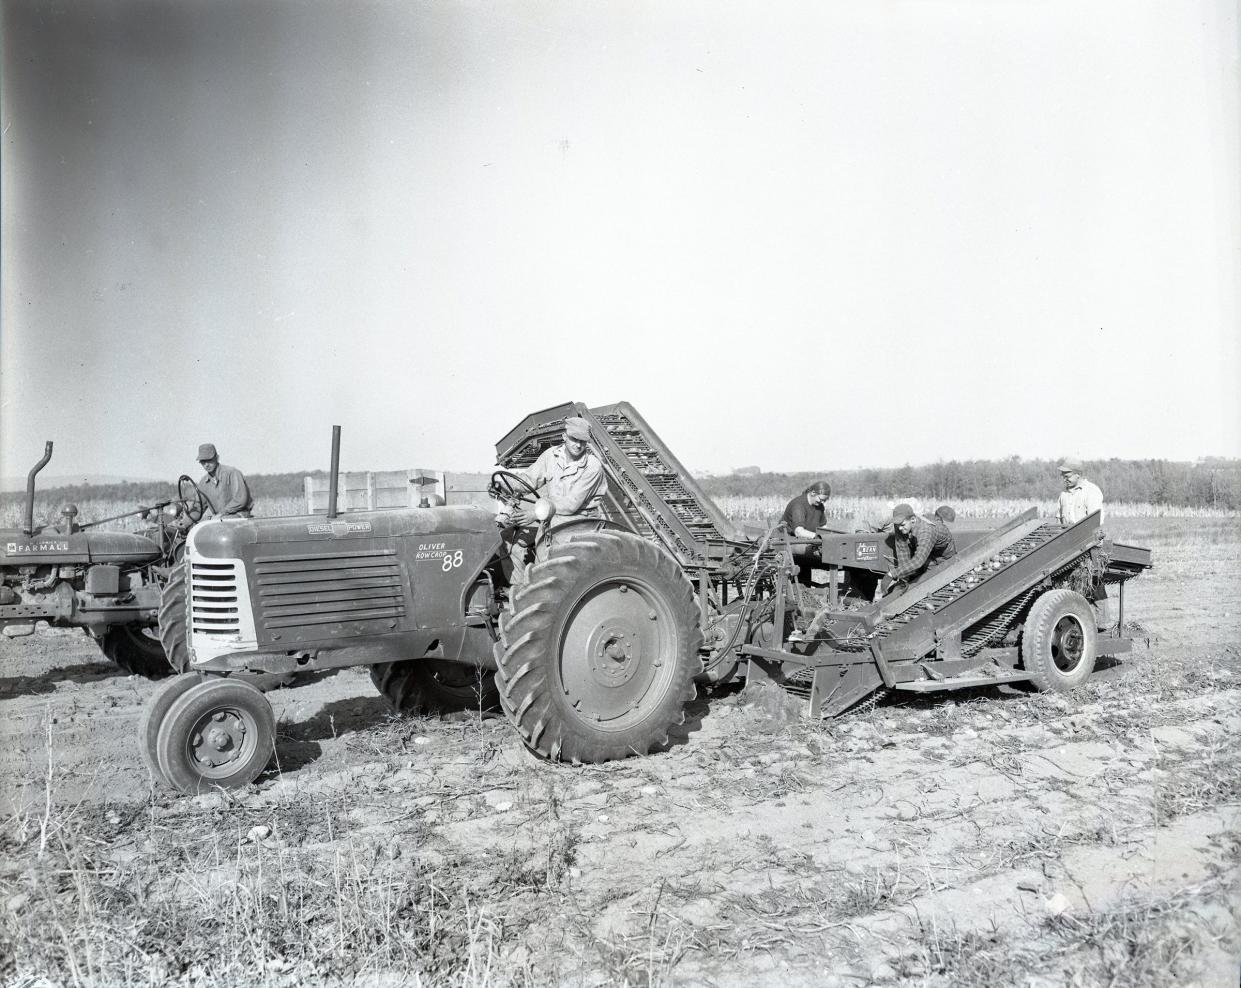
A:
(990, 837)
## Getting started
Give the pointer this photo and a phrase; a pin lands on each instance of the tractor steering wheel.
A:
(511, 489)
(196, 504)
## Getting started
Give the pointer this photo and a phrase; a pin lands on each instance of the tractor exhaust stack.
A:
(28, 528)
(332, 479)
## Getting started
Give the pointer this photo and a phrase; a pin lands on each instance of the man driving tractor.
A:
(571, 477)
(223, 487)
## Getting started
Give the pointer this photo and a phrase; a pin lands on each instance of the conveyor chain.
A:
(665, 482)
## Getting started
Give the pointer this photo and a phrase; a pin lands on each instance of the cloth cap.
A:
(901, 512)
(577, 428)
(207, 452)
(945, 512)
(1071, 466)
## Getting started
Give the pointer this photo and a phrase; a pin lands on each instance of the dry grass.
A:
(403, 870)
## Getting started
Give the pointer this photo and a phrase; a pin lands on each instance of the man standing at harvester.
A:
(1080, 497)
(224, 487)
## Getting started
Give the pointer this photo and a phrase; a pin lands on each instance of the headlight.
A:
(543, 509)
(173, 510)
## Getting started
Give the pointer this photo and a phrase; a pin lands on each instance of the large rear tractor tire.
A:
(172, 620)
(1059, 641)
(131, 648)
(219, 733)
(600, 650)
(435, 686)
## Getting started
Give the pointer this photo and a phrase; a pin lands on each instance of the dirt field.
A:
(990, 838)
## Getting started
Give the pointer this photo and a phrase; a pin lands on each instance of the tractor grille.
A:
(213, 600)
(329, 588)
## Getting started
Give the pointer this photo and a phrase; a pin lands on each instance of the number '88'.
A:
(451, 560)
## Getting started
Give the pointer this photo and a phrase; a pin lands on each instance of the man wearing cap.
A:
(572, 478)
(224, 487)
(920, 545)
(1080, 497)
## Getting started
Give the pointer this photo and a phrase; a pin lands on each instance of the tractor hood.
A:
(78, 548)
(223, 538)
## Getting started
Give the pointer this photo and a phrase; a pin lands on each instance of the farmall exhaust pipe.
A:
(28, 529)
(331, 484)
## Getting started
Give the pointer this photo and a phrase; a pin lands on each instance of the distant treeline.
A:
(1208, 483)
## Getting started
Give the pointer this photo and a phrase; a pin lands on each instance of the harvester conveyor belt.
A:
(978, 593)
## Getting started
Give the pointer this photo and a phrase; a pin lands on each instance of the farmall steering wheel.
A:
(195, 504)
(511, 489)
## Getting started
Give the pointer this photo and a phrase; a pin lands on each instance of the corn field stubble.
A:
(989, 838)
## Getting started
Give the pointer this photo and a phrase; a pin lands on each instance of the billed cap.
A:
(946, 513)
(577, 428)
(901, 512)
(207, 452)
(1071, 466)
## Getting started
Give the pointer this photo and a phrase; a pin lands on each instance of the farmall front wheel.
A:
(132, 647)
(1059, 640)
(435, 686)
(600, 650)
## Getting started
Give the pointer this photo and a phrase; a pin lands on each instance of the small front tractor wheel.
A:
(1059, 640)
(218, 733)
(156, 710)
(135, 651)
(435, 686)
(172, 620)
(600, 650)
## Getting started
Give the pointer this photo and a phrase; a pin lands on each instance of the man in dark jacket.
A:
(803, 517)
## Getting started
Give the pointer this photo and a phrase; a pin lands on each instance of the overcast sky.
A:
(799, 235)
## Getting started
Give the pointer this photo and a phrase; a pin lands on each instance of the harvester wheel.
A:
(1058, 641)
(172, 620)
(600, 650)
(435, 686)
(136, 652)
(218, 733)
(156, 710)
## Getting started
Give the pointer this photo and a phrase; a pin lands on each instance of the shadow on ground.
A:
(86, 672)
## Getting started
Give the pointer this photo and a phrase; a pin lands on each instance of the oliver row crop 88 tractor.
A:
(595, 656)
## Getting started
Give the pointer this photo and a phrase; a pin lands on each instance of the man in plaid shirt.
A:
(920, 544)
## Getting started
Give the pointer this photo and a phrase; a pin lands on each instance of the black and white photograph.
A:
(620, 494)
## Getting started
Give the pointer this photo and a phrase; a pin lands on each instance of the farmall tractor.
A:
(596, 654)
(107, 583)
